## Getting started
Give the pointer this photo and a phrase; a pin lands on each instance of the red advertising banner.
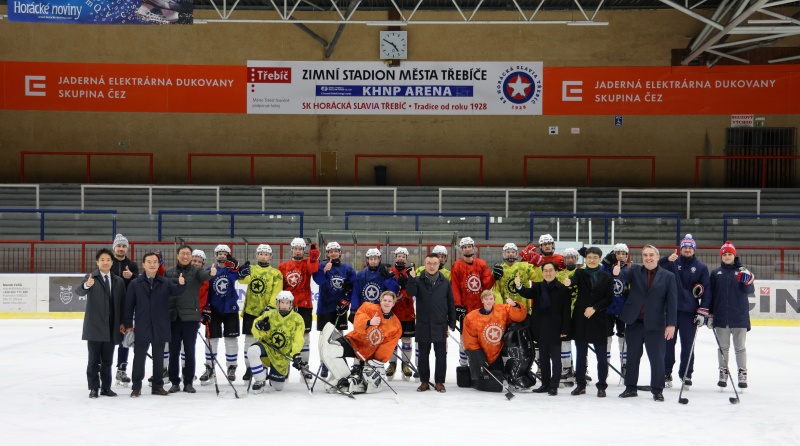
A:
(720, 90)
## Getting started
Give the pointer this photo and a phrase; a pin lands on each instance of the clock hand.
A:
(392, 44)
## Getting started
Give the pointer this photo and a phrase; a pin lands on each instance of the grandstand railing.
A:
(773, 218)
(253, 157)
(149, 191)
(44, 212)
(88, 156)
(689, 193)
(26, 186)
(763, 158)
(419, 159)
(232, 215)
(607, 218)
(589, 159)
(417, 215)
(328, 190)
(507, 192)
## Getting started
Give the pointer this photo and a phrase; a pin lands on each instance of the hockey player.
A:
(505, 273)
(441, 252)
(335, 280)
(372, 281)
(263, 284)
(297, 278)
(223, 303)
(404, 309)
(483, 331)
(127, 269)
(618, 255)
(470, 277)
(692, 279)
(729, 311)
(375, 333)
(547, 246)
(278, 334)
(198, 258)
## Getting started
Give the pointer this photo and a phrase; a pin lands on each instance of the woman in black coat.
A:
(551, 307)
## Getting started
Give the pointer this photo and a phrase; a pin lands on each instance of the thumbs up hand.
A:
(127, 273)
(616, 269)
(89, 282)
(674, 256)
(181, 280)
(213, 271)
(376, 320)
(517, 281)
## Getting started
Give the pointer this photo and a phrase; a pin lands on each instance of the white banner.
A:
(412, 88)
(775, 299)
(17, 293)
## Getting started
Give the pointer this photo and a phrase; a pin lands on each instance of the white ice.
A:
(44, 401)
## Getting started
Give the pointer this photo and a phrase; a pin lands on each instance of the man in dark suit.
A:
(650, 315)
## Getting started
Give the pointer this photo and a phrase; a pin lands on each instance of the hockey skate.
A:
(416, 377)
(208, 376)
(390, 370)
(723, 377)
(742, 378)
(232, 372)
(324, 373)
(122, 376)
(668, 380)
(407, 374)
(164, 374)
(567, 378)
(258, 386)
(247, 374)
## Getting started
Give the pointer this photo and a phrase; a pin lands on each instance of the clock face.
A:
(394, 45)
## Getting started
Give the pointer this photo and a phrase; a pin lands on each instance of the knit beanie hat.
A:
(120, 240)
(727, 247)
(688, 241)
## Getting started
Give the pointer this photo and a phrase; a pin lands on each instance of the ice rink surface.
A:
(44, 401)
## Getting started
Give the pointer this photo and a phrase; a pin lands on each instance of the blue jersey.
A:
(222, 294)
(621, 288)
(332, 286)
(369, 285)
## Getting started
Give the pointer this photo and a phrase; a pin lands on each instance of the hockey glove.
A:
(347, 287)
(263, 324)
(702, 317)
(244, 271)
(385, 272)
(352, 317)
(497, 272)
(744, 276)
(610, 260)
(267, 308)
(530, 255)
(698, 290)
(297, 362)
(402, 281)
(582, 252)
(342, 308)
(231, 263)
(313, 253)
(461, 313)
(206, 315)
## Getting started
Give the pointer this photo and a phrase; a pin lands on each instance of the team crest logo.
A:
(694, 269)
(511, 287)
(520, 87)
(336, 282)
(278, 340)
(221, 285)
(493, 333)
(257, 286)
(371, 292)
(66, 294)
(293, 278)
(618, 287)
(473, 283)
(375, 337)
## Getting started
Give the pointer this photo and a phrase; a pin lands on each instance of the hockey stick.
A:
(688, 361)
(725, 360)
(216, 361)
(607, 363)
(305, 369)
(509, 395)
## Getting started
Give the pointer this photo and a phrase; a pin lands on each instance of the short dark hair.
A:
(433, 256)
(148, 254)
(555, 265)
(102, 251)
(182, 247)
(594, 250)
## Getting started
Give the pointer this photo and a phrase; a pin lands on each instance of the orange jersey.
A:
(469, 281)
(297, 279)
(378, 341)
(485, 331)
(404, 307)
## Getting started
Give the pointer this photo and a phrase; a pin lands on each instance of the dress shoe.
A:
(424, 387)
(160, 391)
(93, 393)
(553, 391)
(188, 388)
(136, 394)
(580, 390)
(174, 389)
(439, 387)
(658, 397)
(629, 393)
(108, 392)
(541, 389)
(601, 393)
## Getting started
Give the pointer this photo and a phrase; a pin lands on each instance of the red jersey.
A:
(485, 331)
(378, 341)
(404, 307)
(469, 281)
(297, 279)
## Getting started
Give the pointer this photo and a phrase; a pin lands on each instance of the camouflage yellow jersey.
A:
(563, 274)
(445, 272)
(285, 333)
(263, 284)
(505, 285)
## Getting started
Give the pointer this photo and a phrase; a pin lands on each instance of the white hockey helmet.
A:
(264, 248)
(439, 250)
(508, 246)
(222, 248)
(401, 250)
(546, 238)
(297, 241)
(372, 252)
(466, 241)
(570, 252)
(332, 245)
(199, 253)
(285, 295)
(621, 247)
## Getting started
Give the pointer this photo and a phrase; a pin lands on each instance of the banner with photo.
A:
(413, 88)
(102, 12)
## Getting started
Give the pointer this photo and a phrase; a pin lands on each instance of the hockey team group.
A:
(515, 323)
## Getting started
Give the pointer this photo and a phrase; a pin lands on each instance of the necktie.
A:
(108, 283)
